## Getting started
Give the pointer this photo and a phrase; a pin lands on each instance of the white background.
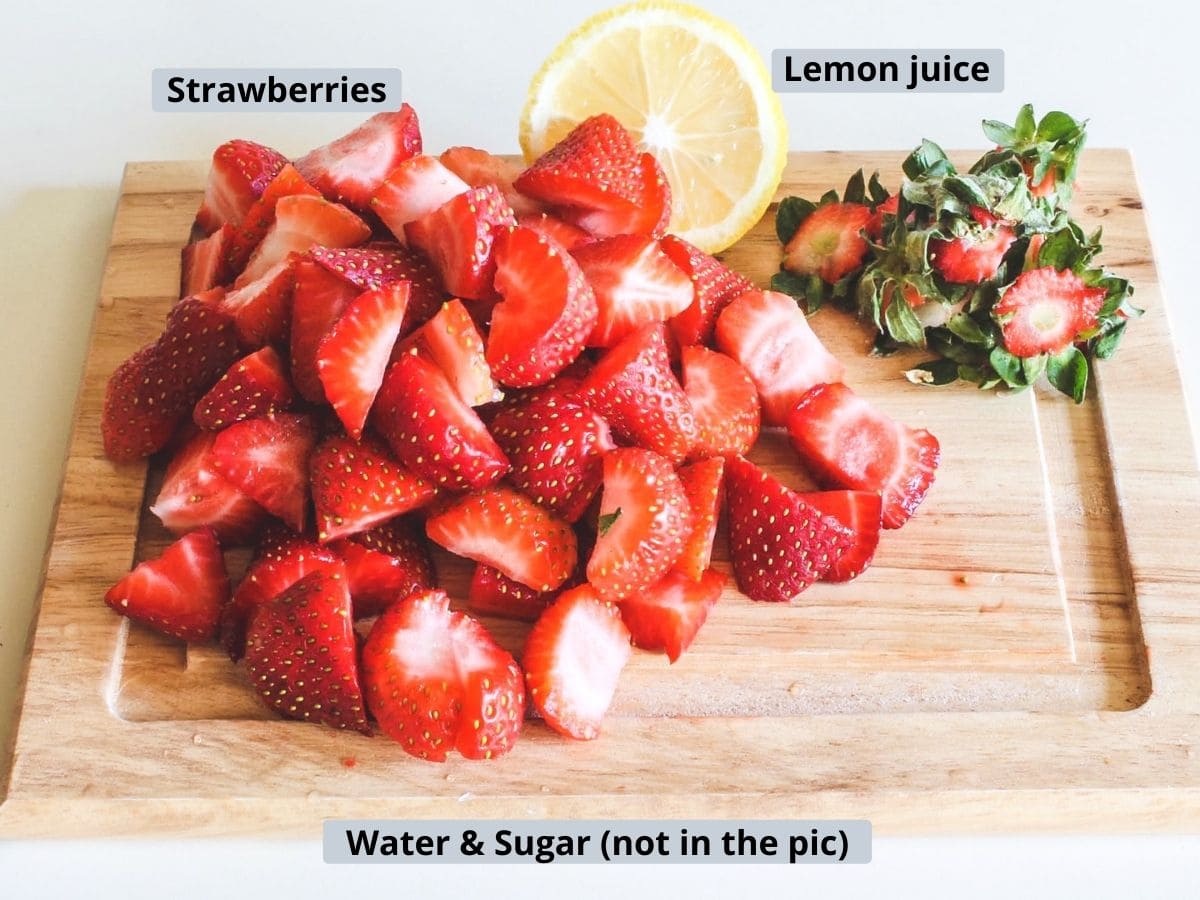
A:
(75, 105)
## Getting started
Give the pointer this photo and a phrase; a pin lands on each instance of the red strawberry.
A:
(253, 386)
(241, 171)
(635, 283)
(268, 459)
(351, 169)
(435, 680)
(650, 215)
(357, 485)
(319, 299)
(385, 565)
(668, 614)
(262, 309)
(380, 265)
(193, 495)
(261, 216)
(459, 238)
(779, 544)
(861, 512)
(204, 264)
(828, 243)
(508, 531)
(452, 342)
(634, 389)
(702, 485)
(570, 236)
(1045, 310)
(770, 336)
(301, 653)
(181, 593)
(478, 168)
(547, 311)
(846, 443)
(645, 521)
(492, 593)
(713, 287)
(571, 688)
(596, 166)
(975, 256)
(302, 220)
(432, 431)
(415, 188)
(724, 400)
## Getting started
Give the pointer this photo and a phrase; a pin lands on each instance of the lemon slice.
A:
(693, 92)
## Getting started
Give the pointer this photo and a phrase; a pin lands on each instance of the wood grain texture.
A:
(1022, 655)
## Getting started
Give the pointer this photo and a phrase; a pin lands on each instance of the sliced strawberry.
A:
(301, 653)
(1045, 310)
(268, 459)
(724, 401)
(572, 660)
(713, 287)
(241, 171)
(976, 256)
(181, 593)
(492, 593)
(668, 614)
(828, 243)
(847, 443)
(769, 335)
(645, 521)
(432, 431)
(478, 168)
(779, 544)
(508, 531)
(385, 565)
(302, 220)
(262, 309)
(862, 513)
(596, 166)
(546, 313)
(452, 342)
(261, 215)
(702, 484)
(570, 236)
(357, 485)
(380, 265)
(351, 169)
(415, 188)
(193, 495)
(204, 263)
(459, 238)
(253, 386)
(319, 299)
(634, 389)
(649, 215)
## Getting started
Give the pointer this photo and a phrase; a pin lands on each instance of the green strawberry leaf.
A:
(1056, 126)
(791, 215)
(856, 189)
(877, 192)
(903, 325)
(999, 133)
(606, 522)
(1106, 345)
(928, 159)
(968, 329)
(1068, 371)
(1032, 367)
(1025, 128)
(1008, 367)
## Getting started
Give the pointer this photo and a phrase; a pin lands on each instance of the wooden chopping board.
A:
(1023, 655)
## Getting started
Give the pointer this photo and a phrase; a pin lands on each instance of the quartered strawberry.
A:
(241, 171)
(492, 593)
(572, 660)
(1045, 310)
(385, 565)
(302, 220)
(478, 167)
(508, 531)
(769, 335)
(459, 238)
(379, 265)
(261, 216)
(650, 215)
(862, 513)
(181, 593)
(570, 236)
(262, 309)
(351, 169)
(724, 401)
(645, 521)
(828, 243)
(318, 301)
(546, 312)
(635, 283)
(779, 544)
(713, 287)
(452, 342)
(268, 459)
(415, 188)
(634, 389)
(301, 653)
(668, 614)
(432, 431)
(253, 386)
(596, 166)
(976, 256)
(702, 483)
(357, 485)
(204, 264)
(435, 681)
(845, 442)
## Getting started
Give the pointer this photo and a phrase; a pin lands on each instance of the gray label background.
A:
(390, 78)
(903, 60)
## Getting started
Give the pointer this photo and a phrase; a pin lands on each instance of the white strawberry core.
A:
(587, 663)
(1046, 317)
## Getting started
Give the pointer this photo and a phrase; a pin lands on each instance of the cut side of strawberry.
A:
(415, 188)
(649, 215)
(452, 342)
(492, 593)
(724, 401)
(570, 236)
(845, 442)
(181, 593)
(862, 513)
(254, 386)
(204, 264)
(379, 265)
(194, 495)
(573, 659)
(1044, 311)
(262, 309)
(241, 171)
(318, 301)
(828, 243)
(478, 168)
(702, 483)
(668, 615)
(385, 565)
(459, 238)
(261, 216)
(713, 287)
(975, 256)
(268, 459)
(302, 220)
(769, 335)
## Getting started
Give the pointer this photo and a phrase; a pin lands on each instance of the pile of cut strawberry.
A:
(378, 348)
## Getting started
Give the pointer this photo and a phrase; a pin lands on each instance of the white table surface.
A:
(75, 105)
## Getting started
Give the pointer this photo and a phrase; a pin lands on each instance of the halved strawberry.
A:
(432, 431)
(318, 301)
(1045, 310)
(546, 313)
(268, 459)
(302, 220)
(572, 660)
(385, 565)
(634, 389)
(451, 341)
(508, 531)
(847, 443)
(975, 256)
(301, 653)
(650, 215)
(253, 386)
(570, 236)
(724, 401)
(779, 544)
(413, 189)
(241, 171)
(862, 513)
(828, 243)
(181, 593)
(702, 484)
(770, 336)
(350, 169)
(194, 495)
(645, 521)
(713, 287)
(356, 485)
(262, 309)
(492, 593)
(595, 167)
(459, 238)
(204, 264)
(668, 614)
(379, 265)
(261, 216)
(478, 167)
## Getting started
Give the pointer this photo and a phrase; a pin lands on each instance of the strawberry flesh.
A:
(702, 483)
(1044, 311)
(254, 386)
(459, 237)
(262, 309)
(415, 188)
(240, 172)
(318, 302)
(828, 242)
(302, 220)
(713, 287)
(451, 340)
(204, 264)
(668, 615)
(385, 565)
(478, 168)
(492, 593)
(381, 265)
(268, 459)
(595, 167)
(976, 256)
(862, 513)
(724, 401)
